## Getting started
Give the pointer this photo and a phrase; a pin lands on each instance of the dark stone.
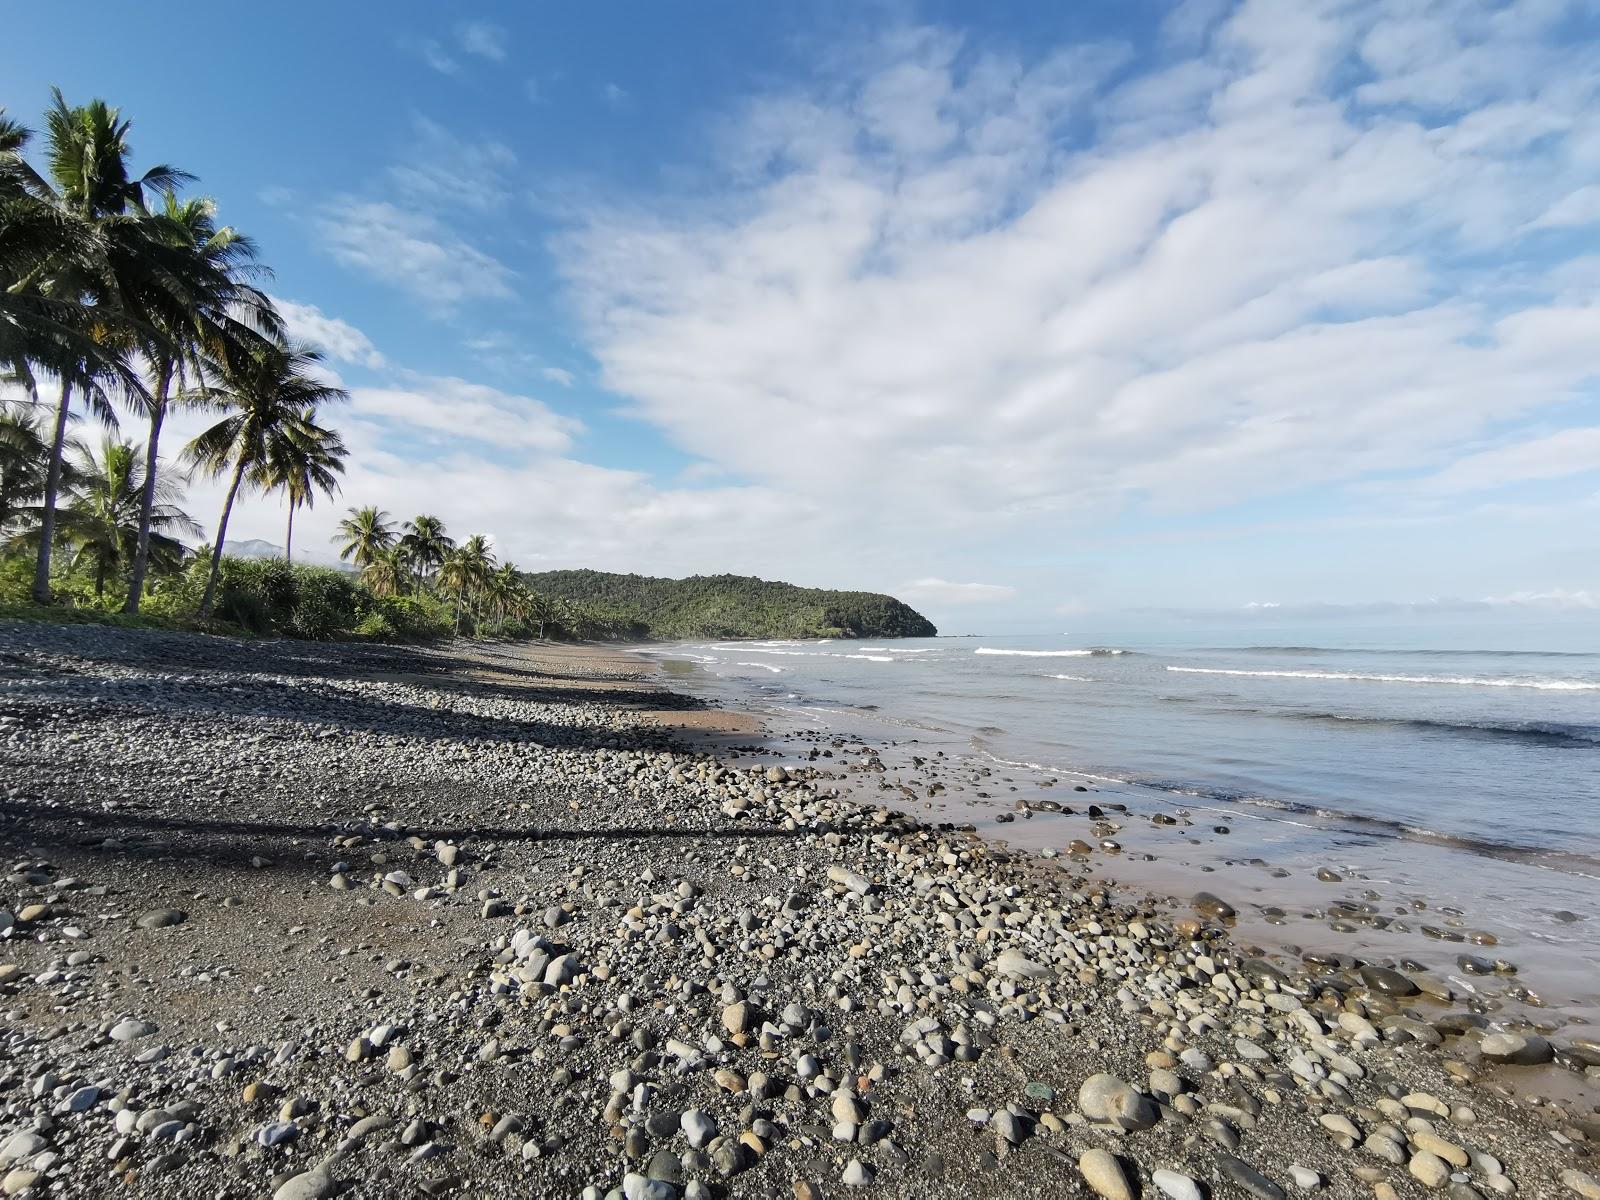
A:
(1388, 981)
(1250, 1179)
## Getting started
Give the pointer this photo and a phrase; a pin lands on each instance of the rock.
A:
(1451, 1153)
(1388, 981)
(859, 884)
(846, 1107)
(1010, 1127)
(562, 970)
(1176, 1186)
(1429, 1170)
(315, 1184)
(640, 1187)
(1305, 1178)
(1517, 1049)
(857, 1174)
(129, 1030)
(19, 1180)
(1104, 1175)
(161, 918)
(736, 1018)
(1214, 907)
(698, 1127)
(20, 1147)
(1108, 1099)
(1016, 965)
(1250, 1179)
(1584, 1184)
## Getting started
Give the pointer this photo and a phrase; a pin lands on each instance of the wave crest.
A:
(1095, 651)
(1546, 685)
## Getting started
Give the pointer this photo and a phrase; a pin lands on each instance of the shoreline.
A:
(568, 952)
(1352, 888)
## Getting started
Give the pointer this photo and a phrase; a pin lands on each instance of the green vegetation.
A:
(120, 297)
(727, 606)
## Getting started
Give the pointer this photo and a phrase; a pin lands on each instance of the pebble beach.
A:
(308, 920)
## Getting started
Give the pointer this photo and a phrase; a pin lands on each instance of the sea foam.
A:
(1047, 653)
(1547, 685)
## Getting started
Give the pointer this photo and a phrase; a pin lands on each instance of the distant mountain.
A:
(730, 606)
(256, 548)
(253, 548)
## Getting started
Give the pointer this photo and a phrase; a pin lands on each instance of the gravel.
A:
(568, 951)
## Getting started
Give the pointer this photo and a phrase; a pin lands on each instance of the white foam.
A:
(763, 666)
(764, 650)
(1548, 685)
(1073, 678)
(924, 650)
(869, 657)
(1036, 653)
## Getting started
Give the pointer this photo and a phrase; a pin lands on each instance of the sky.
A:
(1019, 312)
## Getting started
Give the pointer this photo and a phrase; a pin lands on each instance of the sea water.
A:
(1445, 768)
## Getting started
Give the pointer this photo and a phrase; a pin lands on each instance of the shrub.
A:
(405, 619)
(325, 604)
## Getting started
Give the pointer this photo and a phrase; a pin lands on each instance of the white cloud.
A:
(482, 38)
(446, 173)
(411, 251)
(1580, 207)
(437, 57)
(949, 310)
(959, 291)
(340, 340)
(1556, 598)
(941, 591)
(1568, 452)
(454, 410)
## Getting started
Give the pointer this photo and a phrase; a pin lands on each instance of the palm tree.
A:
(23, 453)
(267, 392)
(466, 570)
(382, 575)
(108, 262)
(503, 589)
(101, 517)
(425, 545)
(35, 327)
(205, 304)
(367, 535)
(308, 461)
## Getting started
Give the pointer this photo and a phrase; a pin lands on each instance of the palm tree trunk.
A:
(288, 535)
(52, 485)
(99, 576)
(222, 533)
(147, 500)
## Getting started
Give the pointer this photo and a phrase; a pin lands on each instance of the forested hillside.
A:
(729, 606)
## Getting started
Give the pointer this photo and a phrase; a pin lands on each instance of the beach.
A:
(1388, 793)
(313, 919)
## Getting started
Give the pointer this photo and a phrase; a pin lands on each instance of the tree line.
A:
(122, 296)
(730, 606)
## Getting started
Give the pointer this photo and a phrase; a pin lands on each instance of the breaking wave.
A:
(1548, 685)
(1096, 651)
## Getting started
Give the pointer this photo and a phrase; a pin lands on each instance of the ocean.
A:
(1446, 776)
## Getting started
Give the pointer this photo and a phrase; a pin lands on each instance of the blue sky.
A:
(1022, 312)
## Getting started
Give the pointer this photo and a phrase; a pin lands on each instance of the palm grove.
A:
(121, 298)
